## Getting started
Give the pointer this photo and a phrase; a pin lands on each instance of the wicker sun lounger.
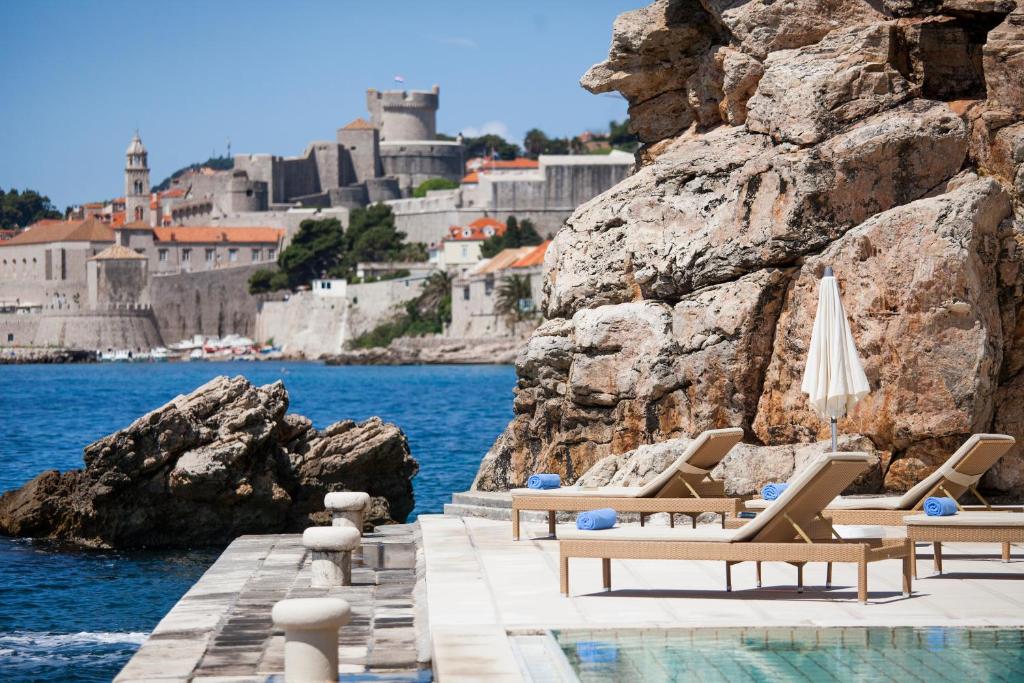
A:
(685, 487)
(959, 474)
(791, 530)
(966, 527)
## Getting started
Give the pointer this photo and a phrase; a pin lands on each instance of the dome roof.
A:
(136, 145)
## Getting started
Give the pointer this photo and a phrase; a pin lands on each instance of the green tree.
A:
(315, 250)
(486, 145)
(516, 234)
(434, 184)
(620, 136)
(428, 313)
(535, 142)
(21, 209)
(514, 298)
(259, 282)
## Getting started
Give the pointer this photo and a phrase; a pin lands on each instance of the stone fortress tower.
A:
(402, 116)
(136, 182)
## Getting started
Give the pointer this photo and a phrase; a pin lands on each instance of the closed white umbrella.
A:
(834, 379)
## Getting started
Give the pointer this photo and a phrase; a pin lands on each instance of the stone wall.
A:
(133, 329)
(414, 162)
(304, 324)
(213, 303)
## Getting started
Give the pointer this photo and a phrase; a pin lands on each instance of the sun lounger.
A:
(959, 474)
(792, 529)
(966, 527)
(685, 487)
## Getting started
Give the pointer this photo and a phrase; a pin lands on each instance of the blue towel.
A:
(596, 519)
(939, 507)
(544, 481)
(773, 491)
(596, 652)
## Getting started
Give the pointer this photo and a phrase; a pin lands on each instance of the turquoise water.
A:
(74, 615)
(928, 655)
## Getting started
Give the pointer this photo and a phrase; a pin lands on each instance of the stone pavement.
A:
(221, 629)
(482, 586)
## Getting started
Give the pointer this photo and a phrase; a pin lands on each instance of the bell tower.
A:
(136, 182)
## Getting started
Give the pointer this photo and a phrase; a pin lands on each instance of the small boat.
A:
(197, 354)
(159, 354)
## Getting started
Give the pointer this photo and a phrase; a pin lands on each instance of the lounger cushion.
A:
(969, 519)
(651, 533)
(573, 491)
(842, 503)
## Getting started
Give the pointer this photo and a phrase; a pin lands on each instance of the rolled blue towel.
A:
(544, 481)
(596, 519)
(773, 491)
(939, 507)
(596, 652)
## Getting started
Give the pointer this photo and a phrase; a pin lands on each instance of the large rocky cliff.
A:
(885, 139)
(224, 460)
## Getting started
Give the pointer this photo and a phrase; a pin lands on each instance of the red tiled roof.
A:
(358, 124)
(477, 230)
(470, 178)
(43, 232)
(210, 235)
(534, 257)
(520, 164)
(506, 258)
(173, 192)
(117, 219)
(115, 252)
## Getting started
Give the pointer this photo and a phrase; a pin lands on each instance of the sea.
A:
(75, 615)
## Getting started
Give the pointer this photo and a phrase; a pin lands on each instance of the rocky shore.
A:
(884, 139)
(412, 351)
(225, 460)
(20, 356)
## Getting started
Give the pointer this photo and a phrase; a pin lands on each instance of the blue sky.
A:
(79, 77)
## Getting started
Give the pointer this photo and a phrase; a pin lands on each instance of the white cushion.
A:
(968, 519)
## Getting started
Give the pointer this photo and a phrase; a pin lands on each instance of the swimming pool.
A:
(796, 654)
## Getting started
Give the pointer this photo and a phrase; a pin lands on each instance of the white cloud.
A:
(489, 128)
(458, 41)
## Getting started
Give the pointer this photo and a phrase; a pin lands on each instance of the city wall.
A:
(134, 329)
(212, 303)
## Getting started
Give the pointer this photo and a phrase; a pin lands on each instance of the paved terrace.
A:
(482, 586)
(221, 629)
(489, 602)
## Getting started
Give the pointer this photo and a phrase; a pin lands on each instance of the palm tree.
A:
(513, 293)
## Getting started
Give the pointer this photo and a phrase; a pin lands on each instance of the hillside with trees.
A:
(215, 163)
(21, 209)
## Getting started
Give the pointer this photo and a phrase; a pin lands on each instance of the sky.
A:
(80, 77)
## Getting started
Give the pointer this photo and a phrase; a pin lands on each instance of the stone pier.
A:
(221, 629)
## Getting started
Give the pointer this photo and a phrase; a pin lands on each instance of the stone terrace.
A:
(483, 604)
(221, 629)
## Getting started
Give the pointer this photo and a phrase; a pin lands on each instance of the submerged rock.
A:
(222, 461)
(883, 139)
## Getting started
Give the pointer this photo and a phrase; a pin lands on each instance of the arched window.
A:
(138, 213)
(138, 187)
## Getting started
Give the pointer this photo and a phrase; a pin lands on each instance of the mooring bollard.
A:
(311, 637)
(348, 508)
(332, 548)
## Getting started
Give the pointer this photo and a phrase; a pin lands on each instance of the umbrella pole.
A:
(835, 436)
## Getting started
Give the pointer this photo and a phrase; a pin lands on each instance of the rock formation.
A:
(883, 139)
(222, 461)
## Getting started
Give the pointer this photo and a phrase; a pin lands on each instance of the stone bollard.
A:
(311, 637)
(332, 548)
(348, 508)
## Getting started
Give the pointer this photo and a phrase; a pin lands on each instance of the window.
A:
(325, 285)
(232, 255)
(211, 255)
(162, 255)
(138, 213)
(257, 254)
(465, 251)
(186, 255)
(10, 336)
(488, 285)
(465, 293)
(271, 254)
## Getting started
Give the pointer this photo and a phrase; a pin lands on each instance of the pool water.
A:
(831, 654)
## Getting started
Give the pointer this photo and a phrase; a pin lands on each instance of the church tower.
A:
(136, 182)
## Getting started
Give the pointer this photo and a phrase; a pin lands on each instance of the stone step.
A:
(501, 514)
(495, 499)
